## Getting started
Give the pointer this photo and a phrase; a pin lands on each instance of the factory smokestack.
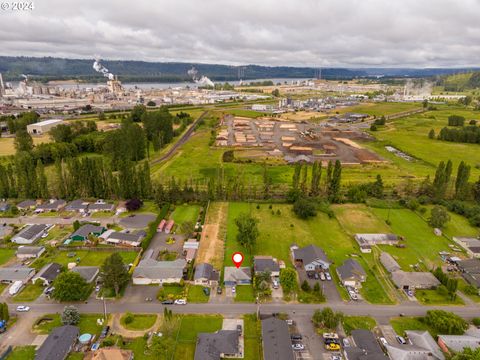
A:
(97, 65)
(203, 81)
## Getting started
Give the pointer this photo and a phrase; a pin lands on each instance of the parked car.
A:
(322, 277)
(336, 357)
(104, 332)
(97, 288)
(383, 341)
(401, 340)
(23, 308)
(219, 290)
(332, 347)
(275, 284)
(233, 290)
(346, 343)
(327, 275)
(296, 337)
(180, 302)
(239, 328)
(298, 347)
(316, 276)
(289, 321)
(206, 291)
(167, 302)
(49, 290)
(310, 275)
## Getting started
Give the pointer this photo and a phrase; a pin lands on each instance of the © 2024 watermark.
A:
(14, 6)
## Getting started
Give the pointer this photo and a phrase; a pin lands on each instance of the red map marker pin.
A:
(237, 259)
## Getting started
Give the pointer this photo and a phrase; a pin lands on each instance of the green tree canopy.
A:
(114, 273)
(247, 231)
(70, 286)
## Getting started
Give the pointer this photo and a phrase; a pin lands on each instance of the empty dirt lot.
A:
(214, 230)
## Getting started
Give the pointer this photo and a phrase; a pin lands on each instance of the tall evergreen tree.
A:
(42, 186)
(334, 186)
(296, 176)
(461, 182)
(316, 177)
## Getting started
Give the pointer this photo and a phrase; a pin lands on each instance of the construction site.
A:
(293, 141)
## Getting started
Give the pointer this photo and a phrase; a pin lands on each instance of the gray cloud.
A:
(352, 33)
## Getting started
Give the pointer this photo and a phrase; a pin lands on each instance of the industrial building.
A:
(43, 127)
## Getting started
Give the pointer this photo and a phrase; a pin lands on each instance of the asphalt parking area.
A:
(137, 221)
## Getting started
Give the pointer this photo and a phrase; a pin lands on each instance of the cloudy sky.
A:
(351, 33)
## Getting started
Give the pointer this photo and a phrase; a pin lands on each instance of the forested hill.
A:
(49, 68)
(461, 82)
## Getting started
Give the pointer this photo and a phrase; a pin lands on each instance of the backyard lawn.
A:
(6, 255)
(22, 353)
(87, 258)
(184, 213)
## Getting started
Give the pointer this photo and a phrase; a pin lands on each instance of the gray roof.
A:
(101, 207)
(211, 345)
(265, 263)
(310, 254)
(15, 273)
(389, 262)
(231, 273)
(351, 269)
(414, 279)
(459, 342)
(205, 271)
(122, 236)
(85, 230)
(366, 341)
(26, 204)
(89, 273)
(76, 205)
(53, 205)
(153, 269)
(471, 271)
(29, 250)
(32, 231)
(49, 272)
(58, 344)
(371, 239)
(276, 340)
(4, 206)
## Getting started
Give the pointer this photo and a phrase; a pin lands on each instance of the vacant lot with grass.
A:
(22, 353)
(6, 255)
(400, 324)
(87, 258)
(87, 324)
(196, 295)
(184, 213)
(29, 293)
(380, 108)
(358, 322)
(279, 228)
(434, 297)
(139, 321)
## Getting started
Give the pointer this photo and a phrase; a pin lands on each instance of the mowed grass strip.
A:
(184, 213)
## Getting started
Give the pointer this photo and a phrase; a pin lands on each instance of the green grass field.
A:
(358, 322)
(87, 324)
(244, 293)
(29, 293)
(184, 213)
(196, 295)
(22, 353)
(140, 322)
(422, 245)
(252, 330)
(433, 297)
(278, 232)
(6, 255)
(400, 324)
(381, 108)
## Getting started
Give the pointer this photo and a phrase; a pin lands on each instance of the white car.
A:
(327, 275)
(23, 308)
(298, 346)
(233, 290)
(180, 302)
(322, 276)
(383, 341)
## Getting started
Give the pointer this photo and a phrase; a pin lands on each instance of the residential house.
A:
(365, 347)
(30, 234)
(124, 238)
(101, 206)
(89, 273)
(47, 274)
(471, 245)
(389, 262)
(218, 345)
(470, 269)
(277, 344)
(30, 252)
(351, 273)
(110, 353)
(84, 231)
(266, 263)
(190, 248)
(27, 205)
(79, 206)
(414, 280)
(422, 346)
(169, 226)
(457, 343)
(5, 230)
(50, 206)
(205, 274)
(310, 257)
(237, 276)
(12, 274)
(366, 241)
(150, 271)
(58, 344)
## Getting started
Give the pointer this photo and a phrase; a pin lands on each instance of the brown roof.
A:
(110, 354)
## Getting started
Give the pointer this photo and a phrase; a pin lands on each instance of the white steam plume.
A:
(203, 81)
(97, 65)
